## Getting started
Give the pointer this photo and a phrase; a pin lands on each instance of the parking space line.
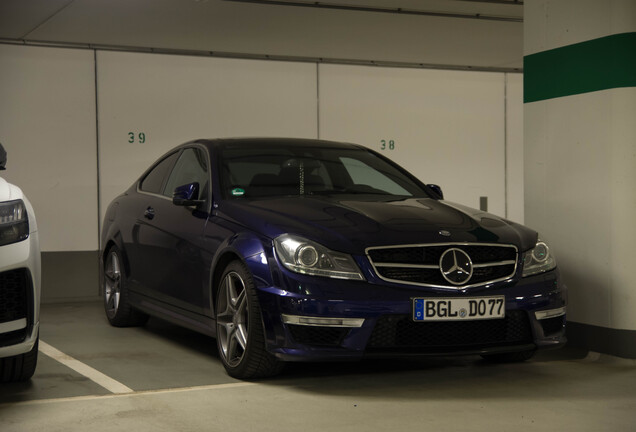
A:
(94, 375)
(133, 394)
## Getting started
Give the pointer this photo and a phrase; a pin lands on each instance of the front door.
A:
(170, 237)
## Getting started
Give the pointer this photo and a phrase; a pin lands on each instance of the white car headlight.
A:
(304, 256)
(14, 222)
(538, 260)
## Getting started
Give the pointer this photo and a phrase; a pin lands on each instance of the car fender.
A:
(249, 248)
(114, 238)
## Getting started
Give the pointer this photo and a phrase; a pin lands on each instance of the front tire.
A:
(116, 305)
(239, 328)
(20, 367)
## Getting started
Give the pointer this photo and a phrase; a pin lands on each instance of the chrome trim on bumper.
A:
(552, 313)
(13, 325)
(322, 321)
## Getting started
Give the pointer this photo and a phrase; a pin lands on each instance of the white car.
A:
(19, 283)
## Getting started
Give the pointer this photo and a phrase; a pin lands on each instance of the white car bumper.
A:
(20, 273)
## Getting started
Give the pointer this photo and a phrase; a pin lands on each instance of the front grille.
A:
(401, 332)
(434, 276)
(552, 325)
(319, 336)
(431, 254)
(420, 264)
(13, 295)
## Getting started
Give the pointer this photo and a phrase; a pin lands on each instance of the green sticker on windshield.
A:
(238, 192)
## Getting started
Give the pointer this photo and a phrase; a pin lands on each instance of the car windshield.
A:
(269, 170)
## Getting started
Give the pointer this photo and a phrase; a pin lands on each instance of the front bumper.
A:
(20, 296)
(308, 318)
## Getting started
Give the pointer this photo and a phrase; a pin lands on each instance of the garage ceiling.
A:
(479, 9)
(444, 33)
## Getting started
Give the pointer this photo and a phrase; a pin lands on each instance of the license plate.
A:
(458, 309)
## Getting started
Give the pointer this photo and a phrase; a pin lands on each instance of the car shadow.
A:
(420, 378)
(181, 336)
(559, 374)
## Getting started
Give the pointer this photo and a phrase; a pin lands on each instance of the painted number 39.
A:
(387, 145)
(136, 137)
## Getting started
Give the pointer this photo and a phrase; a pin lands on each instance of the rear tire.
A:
(116, 305)
(239, 328)
(512, 357)
(20, 367)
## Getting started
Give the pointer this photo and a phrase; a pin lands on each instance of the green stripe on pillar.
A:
(599, 64)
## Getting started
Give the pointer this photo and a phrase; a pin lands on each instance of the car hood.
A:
(352, 224)
(8, 191)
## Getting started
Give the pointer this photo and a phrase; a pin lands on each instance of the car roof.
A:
(222, 143)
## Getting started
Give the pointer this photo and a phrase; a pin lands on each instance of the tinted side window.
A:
(191, 167)
(154, 179)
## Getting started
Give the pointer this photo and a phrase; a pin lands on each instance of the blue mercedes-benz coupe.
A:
(293, 249)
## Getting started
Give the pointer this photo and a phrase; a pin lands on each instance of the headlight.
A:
(304, 256)
(14, 223)
(538, 260)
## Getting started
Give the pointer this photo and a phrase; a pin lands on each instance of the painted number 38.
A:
(387, 144)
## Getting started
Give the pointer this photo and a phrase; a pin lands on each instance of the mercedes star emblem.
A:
(456, 266)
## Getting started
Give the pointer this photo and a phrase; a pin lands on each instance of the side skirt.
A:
(198, 323)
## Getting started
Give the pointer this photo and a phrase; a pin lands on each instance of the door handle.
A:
(149, 213)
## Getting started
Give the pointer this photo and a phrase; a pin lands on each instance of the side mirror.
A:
(436, 190)
(186, 195)
(3, 158)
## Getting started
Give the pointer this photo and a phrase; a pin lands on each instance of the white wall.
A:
(580, 178)
(514, 148)
(47, 126)
(449, 127)
(580, 168)
(554, 24)
(174, 99)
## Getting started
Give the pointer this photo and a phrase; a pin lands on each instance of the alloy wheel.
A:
(112, 283)
(232, 319)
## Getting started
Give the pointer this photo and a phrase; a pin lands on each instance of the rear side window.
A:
(154, 179)
(192, 167)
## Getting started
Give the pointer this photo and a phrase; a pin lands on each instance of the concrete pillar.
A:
(580, 159)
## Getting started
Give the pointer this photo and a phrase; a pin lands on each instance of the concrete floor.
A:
(164, 378)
